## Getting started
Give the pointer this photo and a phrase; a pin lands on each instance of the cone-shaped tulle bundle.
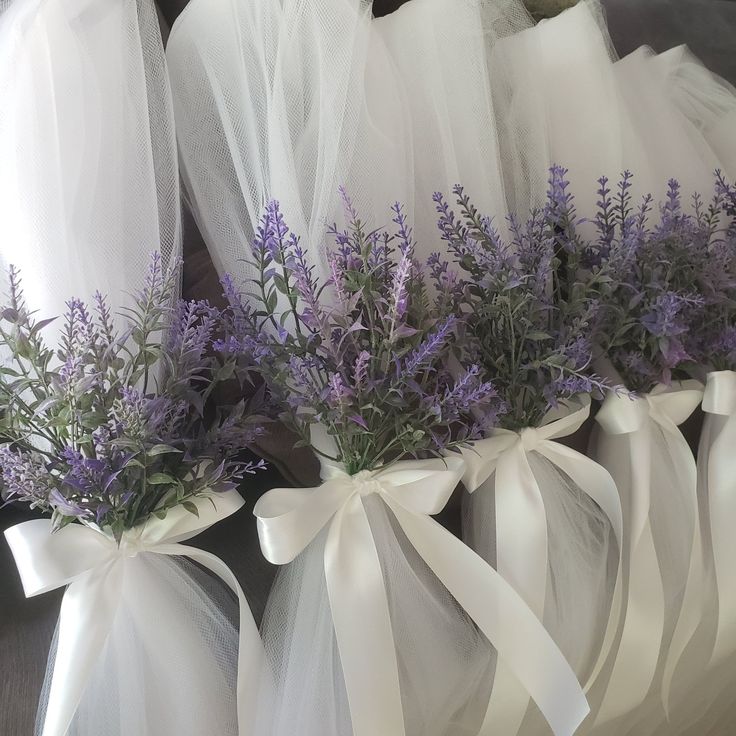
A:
(107, 434)
(361, 373)
(549, 519)
(89, 183)
(442, 658)
(146, 643)
(640, 443)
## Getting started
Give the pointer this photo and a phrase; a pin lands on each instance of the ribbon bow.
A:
(717, 473)
(633, 419)
(521, 523)
(289, 519)
(92, 565)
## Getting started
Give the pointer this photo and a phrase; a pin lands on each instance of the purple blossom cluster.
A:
(115, 426)
(365, 354)
(670, 286)
(528, 320)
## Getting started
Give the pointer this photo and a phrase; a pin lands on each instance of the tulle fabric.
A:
(659, 116)
(582, 565)
(89, 183)
(673, 518)
(443, 659)
(289, 101)
(465, 69)
(292, 100)
(169, 666)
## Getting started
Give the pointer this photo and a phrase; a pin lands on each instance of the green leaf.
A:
(537, 336)
(191, 508)
(272, 301)
(161, 450)
(161, 479)
(280, 283)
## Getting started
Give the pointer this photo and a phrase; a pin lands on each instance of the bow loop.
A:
(47, 560)
(672, 405)
(623, 413)
(720, 393)
(423, 486)
(290, 518)
(482, 457)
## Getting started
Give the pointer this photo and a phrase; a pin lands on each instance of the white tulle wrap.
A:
(640, 443)
(89, 182)
(547, 518)
(144, 644)
(379, 636)
(659, 116)
(289, 101)
(717, 487)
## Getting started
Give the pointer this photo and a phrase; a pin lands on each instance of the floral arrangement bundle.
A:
(545, 515)
(713, 342)
(668, 315)
(358, 367)
(111, 434)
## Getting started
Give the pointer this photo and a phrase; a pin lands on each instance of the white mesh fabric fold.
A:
(581, 548)
(472, 123)
(89, 183)
(671, 518)
(443, 659)
(169, 666)
(270, 102)
(660, 116)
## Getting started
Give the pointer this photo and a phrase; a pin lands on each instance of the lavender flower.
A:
(110, 428)
(364, 354)
(528, 323)
(670, 285)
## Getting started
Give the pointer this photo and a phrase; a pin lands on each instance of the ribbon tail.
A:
(87, 614)
(360, 613)
(522, 560)
(691, 610)
(627, 457)
(503, 617)
(250, 646)
(720, 475)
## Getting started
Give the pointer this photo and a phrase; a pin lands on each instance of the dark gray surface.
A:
(26, 626)
(708, 27)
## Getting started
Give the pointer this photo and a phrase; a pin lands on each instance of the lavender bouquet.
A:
(111, 433)
(358, 367)
(110, 428)
(660, 276)
(664, 266)
(712, 341)
(544, 515)
(530, 315)
(364, 356)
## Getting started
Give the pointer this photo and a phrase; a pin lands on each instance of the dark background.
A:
(26, 626)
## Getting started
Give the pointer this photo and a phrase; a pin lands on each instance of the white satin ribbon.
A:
(630, 422)
(717, 461)
(92, 565)
(500, 464)
(289, 519)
